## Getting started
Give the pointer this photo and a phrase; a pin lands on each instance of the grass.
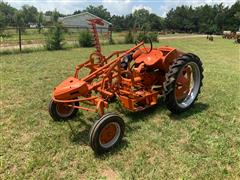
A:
(203, 143)
(31, 36)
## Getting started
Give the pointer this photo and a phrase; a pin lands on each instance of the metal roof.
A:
(83, 13)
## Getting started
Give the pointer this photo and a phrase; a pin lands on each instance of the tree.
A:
(220, 17)
(40, 22)
(129, 22)
(30, 14)
(118, 22)
(181, 19)
(77, 12)
(55, 16)
(55, 37)
(2, 20)
(19, 18)
(201, 19)
(233, 21)
(48, 13)
(7, 14)
(85, 39)
(99, 11)
(142, 19)
(156, 23)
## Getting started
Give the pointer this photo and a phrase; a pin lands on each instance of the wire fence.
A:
(19, 38)
(15, 38)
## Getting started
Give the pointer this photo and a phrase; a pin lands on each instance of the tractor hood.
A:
(151, 58)
(70, 89)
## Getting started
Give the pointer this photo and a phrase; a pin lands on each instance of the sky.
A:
(115, 7)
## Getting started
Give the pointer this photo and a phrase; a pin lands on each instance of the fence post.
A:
(110, 30)
(20, 39)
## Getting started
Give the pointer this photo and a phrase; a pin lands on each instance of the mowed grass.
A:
(203, 143)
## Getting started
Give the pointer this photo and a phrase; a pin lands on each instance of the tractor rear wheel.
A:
(183, 83)
(106, 133)
(60, 111)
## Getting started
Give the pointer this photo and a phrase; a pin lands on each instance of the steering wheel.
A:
(145, 49)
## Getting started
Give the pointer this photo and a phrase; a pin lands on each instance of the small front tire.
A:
(106, 133)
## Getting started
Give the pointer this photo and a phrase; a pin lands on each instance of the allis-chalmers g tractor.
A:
(136, 77)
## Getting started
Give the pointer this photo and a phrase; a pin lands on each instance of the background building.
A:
(80, 20)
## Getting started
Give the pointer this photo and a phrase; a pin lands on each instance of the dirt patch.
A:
(183, 37)
(110, 174)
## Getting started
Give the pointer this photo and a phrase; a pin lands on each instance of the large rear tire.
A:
(106, 133)
(180, 92)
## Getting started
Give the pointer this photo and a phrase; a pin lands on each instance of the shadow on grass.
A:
(198, 107)
(145, 114)
(80, 134)
(81, 137)
(133, 118)
(120, 147)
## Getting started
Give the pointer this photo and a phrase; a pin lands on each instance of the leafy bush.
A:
(145, 37)
(4, 35)
(129, 39)
(153, 36)
(85, 39)
(55, 38)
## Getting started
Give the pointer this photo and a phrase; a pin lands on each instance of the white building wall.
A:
(81, 21)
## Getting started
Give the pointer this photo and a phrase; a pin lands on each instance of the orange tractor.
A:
(136, 77)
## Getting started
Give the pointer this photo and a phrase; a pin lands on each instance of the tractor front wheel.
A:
(183, 83)
(106, 133)
(61, 111)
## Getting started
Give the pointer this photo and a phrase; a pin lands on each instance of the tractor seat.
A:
(151, 59)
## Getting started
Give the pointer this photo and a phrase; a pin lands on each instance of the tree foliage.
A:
(77, 12)
(99, 11)
(55, 37)
(141, 19)
(85, 39)
(19, 19)
(7, 14)
(55, 16)
(40, 21)
(30, 14)
(202, 19)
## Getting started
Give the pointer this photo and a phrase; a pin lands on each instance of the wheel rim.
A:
(63, 110)
(187, 85)
(109, 135)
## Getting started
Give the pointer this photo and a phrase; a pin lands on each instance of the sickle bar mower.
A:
(136, 77)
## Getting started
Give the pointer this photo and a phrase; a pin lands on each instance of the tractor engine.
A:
(143, 75)
(150, 76)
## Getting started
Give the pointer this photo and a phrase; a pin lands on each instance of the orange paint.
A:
(137, 87)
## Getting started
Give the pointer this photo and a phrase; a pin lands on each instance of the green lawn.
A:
(31, 36)
(203, 143)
